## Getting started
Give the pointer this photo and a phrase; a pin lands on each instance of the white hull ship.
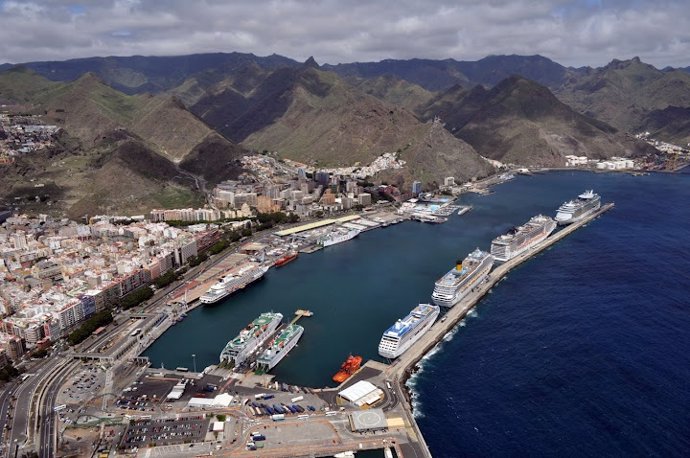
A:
(250, 338)
(404, 333)
(575, 210)
(279, 348)
(460, 280)
(338, 236)
(234, 282)
(517, 240)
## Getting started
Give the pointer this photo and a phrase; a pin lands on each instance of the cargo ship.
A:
(233, 282)
(279, 347)
(250, 338)
(338, 236)
(288, 257)
(349, 367)
(574, 210)
(518, 239)
(454, 285)
(399, 337)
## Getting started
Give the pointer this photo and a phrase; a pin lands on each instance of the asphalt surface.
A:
(5, 403)
(23, 395)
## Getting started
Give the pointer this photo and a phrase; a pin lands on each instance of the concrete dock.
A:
(399, 371)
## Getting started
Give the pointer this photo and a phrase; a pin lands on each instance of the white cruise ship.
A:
(517, 240)
(339, 236)
(573, 211)
(233, 282)
(399, 337)
(279, 347)
(460, 280)
(250, 338)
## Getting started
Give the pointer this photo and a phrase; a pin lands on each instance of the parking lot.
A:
(171, 431)
(84, 385)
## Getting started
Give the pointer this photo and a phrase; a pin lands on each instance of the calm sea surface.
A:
(583, 350)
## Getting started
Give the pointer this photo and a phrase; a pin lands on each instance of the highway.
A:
(45, 424)
(5, 407)
(23, 394)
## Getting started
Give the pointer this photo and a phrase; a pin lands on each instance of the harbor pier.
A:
(400, 370)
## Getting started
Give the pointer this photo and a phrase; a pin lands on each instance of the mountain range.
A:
(177, 125)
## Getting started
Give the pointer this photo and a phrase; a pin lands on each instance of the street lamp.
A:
(194, 362)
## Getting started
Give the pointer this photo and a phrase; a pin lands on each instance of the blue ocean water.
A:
(582, 351)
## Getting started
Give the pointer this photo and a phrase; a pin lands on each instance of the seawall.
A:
(402, 368)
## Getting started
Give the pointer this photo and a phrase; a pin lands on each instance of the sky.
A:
(571, 32)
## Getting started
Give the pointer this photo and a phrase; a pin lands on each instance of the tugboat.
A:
(288, 257)
(349, 367)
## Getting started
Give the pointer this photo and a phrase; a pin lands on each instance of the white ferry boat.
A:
(399, 337)
(279, 347)
(339, 236)
(517, 240)
(234, 282)
(250, 338)
(573, 211)
(460, 280)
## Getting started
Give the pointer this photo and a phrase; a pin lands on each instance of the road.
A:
(46, 434)
(5, 407)
(23, 394)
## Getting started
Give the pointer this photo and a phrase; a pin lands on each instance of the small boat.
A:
(349, 367)
(288, 257)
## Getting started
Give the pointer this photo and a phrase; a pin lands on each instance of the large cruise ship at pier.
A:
(339, 236)
(517, 240)
(399, 337)
(279, 347)
(455, 284)
(250, 338)
(233, 282)
(574, 210)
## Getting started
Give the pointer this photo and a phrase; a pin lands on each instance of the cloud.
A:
(572, 32)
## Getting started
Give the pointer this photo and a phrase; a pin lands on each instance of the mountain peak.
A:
(311, 62)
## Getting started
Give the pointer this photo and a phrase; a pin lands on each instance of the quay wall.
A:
(401, 369)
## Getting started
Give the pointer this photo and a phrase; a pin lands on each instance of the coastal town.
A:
(92, 296)
(82, 301)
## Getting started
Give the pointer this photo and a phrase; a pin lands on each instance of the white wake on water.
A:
(411, 383)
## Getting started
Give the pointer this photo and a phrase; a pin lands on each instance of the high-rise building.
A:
(416, 187)
(364, 199)
(449, 181)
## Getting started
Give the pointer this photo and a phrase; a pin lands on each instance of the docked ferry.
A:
(250, 338)
(518, 239)
(339, 236)
(234, 282)
(279, 347)
(460, 280)
(574, 210)
(405, 332)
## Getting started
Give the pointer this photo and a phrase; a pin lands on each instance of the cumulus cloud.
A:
(572, 32)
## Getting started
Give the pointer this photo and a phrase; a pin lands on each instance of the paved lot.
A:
(146, 433)
(84, 385)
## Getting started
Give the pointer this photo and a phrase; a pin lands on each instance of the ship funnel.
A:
(458, 265)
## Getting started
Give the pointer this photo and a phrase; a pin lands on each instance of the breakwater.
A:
(401, 369)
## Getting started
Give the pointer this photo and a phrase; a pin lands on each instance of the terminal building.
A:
(362, 393)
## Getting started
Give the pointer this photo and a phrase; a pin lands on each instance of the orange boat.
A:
(348, 368)
(285, 259)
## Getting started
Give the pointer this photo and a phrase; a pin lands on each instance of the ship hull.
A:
(445, 300)
(410, 341)
(283, 352)
(565, 219)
